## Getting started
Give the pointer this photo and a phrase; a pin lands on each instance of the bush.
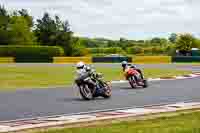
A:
(185, 42)
(80, 51)
(148, 51)
(141, 50)
(134, 50)
(157, 51)
(113, 50)
(31, 53)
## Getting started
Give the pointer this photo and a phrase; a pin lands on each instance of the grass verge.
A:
(189, 63)
(13, 77)
(174, 123)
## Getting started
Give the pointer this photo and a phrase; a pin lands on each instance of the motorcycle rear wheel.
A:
(145, 83)
(108, 92)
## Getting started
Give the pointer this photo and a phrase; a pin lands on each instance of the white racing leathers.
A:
(83, 74)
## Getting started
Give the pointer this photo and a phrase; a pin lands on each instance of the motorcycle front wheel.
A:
(132, 82)
(86, 92)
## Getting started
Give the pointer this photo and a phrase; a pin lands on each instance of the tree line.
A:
(156, 46)
(19, 28)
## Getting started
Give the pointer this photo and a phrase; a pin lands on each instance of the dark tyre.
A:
(145, 83)
(86, 92)
(108, 91)
(132, 82)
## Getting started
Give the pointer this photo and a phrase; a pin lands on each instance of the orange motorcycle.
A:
(134, 78)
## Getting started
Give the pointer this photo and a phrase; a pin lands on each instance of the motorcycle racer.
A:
(94, 82)
(84, 70)
(126, 66)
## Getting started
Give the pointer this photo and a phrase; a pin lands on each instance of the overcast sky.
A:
(132, 19)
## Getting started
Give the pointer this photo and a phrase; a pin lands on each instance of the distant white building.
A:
(194, 49)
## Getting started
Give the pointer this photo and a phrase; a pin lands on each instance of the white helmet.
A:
(80, 65)
(124, 63)
(88, 68)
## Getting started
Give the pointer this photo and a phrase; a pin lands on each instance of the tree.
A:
(163, 42)
(78, 49)
(4, 21)
(64, 40)
(185, 43)
(19, 31)
(122, 39)
(197, 42)
(64, 37)
(112, 43)
(24, 13)
(173, 38)
(156, 40)
(66, 27)
(54, 32)
(159, 41)
(134, 50)
(46, 30)
(157, 50)
(4, 18)
(15, 28)
(141, 41)
(123, 43)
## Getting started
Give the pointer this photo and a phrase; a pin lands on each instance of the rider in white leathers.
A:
(85, 71)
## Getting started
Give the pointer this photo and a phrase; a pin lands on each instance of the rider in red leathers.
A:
(138, 73)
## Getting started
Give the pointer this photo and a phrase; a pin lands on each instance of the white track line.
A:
(161, 79)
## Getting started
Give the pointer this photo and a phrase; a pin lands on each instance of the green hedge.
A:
(31, 53)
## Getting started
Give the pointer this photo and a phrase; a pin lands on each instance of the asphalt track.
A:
(56, 101)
